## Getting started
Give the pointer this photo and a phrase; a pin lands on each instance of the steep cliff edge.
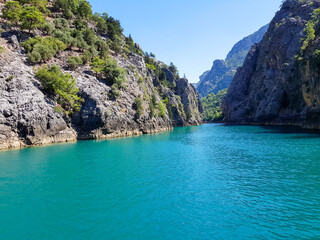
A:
(30, 116)
(279, 81)
(222, 71)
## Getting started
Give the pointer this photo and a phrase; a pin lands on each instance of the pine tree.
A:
(31, 18)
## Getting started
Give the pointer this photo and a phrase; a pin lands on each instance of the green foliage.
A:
(154, 66)
(111, 28)
(82, 38)
(40, 4)
(80, 24)
(66, 5)
(131, 46)
(310, 34)
(74, 62)
(29, 15)
(73, 7)
(79, 41)
(65, 37)
(138, 105)
(89, 36)
(153, 105)
(87, 56)
(140, 80)
(11, 77)
(102, 27)
(42, 49)
(62, 86)
(114, 93)
(48, 28)
(316, 58)
(84, 9)
(162, 109)
(97, 65)
(166, 101)
(126, 50)
(310, 30)
(103, 48)
(114, 28)
(80, 8)
(12, 12)
(61, 23)
(174, 70)
(115, 44)
(212, 106)
(112, 73)
(58, 109)
(151, 67)
(157, 108)
(31, 18)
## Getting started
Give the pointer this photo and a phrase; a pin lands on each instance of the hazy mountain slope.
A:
(222, 71)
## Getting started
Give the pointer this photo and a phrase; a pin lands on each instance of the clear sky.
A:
(189, 33)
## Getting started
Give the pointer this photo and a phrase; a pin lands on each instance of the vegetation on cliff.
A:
(212, 106)
(92, 36)
(213, 84)
(72, 74)
(62, 86)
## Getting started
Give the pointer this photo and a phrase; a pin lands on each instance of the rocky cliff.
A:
(222, 71)
(30, 116)
(279, 81)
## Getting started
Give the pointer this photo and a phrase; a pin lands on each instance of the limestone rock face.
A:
(28, 116)
(273, 87)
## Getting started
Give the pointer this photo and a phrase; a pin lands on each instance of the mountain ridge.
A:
(222, 71)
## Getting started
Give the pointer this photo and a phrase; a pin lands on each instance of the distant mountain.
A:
(222, 71)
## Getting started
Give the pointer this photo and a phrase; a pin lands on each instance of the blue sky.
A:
(190, 34)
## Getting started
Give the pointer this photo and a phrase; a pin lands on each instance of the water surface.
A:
(207, 182)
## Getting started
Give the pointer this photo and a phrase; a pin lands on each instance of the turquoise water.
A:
(207, 182)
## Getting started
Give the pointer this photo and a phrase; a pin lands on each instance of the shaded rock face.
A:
(222, 71)
(273, 87)
(28, 116)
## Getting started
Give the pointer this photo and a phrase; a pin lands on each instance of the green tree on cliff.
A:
(31, 18)
(12, 12)
(84, 9)
(40, 4)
